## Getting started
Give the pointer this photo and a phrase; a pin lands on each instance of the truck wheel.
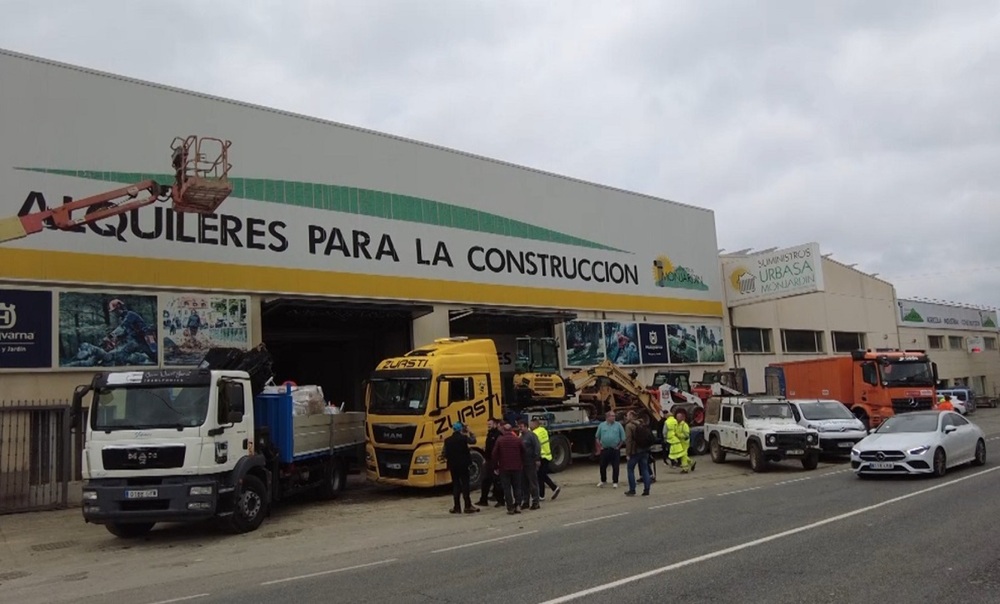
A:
(699, 447)
(476, 469)
(334, 478)
(715, 448)
(129, 530)
(811, 460)
(561, 454)
(250, 506)
(757, 461)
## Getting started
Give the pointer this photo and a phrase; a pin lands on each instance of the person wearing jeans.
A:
(610, 437)
(638, 455)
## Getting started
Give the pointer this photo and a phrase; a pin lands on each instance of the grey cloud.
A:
(867, 126)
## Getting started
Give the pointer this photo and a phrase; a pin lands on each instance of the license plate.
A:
(795, 452)
(882, 465)
(844, 445)
(143, 494)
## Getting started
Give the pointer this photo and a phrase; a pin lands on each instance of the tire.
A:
(811, 460)
(863, 416)
(699, 448)
(250, 506)
(715, 448)
(334, 478)
(757, 461)
(476, 469)
(561, 454)
(980, 459)
(129, 530)
(940, 463)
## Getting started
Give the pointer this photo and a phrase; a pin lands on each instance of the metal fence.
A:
(36, 449)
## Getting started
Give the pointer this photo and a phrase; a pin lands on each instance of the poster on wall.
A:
(710, 345)
(683, 344)
(107, 330)
(25, 329)
(654, 344)
(621, 343)
(195, 323)
(584, 343)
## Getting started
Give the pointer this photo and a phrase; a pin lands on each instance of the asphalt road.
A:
(725, 536)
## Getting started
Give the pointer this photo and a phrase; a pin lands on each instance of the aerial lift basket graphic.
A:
(201, 183)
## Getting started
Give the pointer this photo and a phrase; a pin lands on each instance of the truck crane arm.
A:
(200, 186)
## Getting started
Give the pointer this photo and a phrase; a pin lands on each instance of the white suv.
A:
(838, 429)
(761, 428)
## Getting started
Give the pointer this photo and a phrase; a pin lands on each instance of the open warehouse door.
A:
(335, 344)
(504, 326)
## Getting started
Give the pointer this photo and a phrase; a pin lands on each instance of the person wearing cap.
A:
(456, 453)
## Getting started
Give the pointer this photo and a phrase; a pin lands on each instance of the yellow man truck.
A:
(412, 402)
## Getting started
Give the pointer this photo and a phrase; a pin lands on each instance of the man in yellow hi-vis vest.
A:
(678, 434)
(543, 470)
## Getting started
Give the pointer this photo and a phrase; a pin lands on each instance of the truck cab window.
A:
(869, 374)
(738, 416)
(727, 414)
(459, 389)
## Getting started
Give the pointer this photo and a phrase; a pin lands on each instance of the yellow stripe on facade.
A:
(98, 269)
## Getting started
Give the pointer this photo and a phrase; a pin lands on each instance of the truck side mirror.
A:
(934, 369)
(76, 411)
(231, 406)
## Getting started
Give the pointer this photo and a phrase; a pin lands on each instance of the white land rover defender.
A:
(762, 428)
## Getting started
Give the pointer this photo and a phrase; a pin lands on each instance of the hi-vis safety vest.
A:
(543, 439)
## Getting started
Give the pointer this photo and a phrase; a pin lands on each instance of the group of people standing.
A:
(518, 459)
(637, 438)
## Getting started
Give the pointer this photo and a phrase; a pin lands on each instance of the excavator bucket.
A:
(201, 167)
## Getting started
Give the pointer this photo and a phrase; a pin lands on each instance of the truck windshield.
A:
(768, 410)
(398, 395)
(908, 373)
(825, 410)
(136, 408)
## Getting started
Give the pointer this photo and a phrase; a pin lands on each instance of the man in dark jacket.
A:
(456, 453)
(489, 481)
(508, 459)
(532, 461)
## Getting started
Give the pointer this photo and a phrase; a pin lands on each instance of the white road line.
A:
(667, 505)
(181, 599)
(739, 491)
(329, 572)
(504, 538)
(594, 519)
(761, 541)
(791, 481)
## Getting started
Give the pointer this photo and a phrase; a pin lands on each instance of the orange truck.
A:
(874, 384)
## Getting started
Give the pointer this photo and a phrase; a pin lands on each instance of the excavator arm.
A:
(201, 184)
(587, 377)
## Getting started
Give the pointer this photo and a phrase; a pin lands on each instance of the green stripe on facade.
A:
(364, 202)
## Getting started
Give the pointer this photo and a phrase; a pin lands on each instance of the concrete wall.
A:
(958, 363)
(852, 302)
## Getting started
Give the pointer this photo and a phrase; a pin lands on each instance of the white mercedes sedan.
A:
(919, 442)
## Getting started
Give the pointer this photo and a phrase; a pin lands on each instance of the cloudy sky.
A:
(870, 127)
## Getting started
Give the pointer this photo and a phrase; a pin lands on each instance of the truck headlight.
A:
(422, 460)
(90, 495)
(810, 438)
(202, 490)
(771, 439)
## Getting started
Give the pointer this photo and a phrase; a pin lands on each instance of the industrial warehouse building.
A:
(796, 303)
(337, 248)
(340, 247)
